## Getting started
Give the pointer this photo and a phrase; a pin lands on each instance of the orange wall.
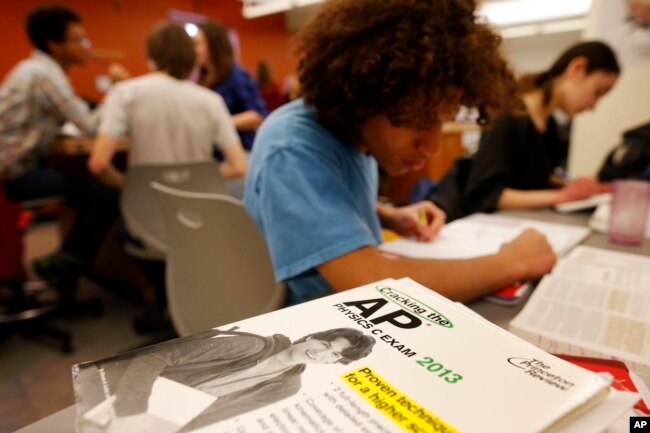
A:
(118, 29)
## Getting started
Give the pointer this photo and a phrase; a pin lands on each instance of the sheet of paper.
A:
(606, 413)
(482, 234)
(69, 129)
(587, 203)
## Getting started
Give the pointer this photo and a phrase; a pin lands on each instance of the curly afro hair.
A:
(401, 58)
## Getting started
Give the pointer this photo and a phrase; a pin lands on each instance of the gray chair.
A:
(140, 209)
(219, 269)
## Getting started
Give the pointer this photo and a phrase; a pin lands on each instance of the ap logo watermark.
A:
(639, 424)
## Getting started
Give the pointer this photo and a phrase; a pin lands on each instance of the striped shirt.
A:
(36, 98)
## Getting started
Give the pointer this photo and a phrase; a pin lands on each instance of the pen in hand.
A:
(431, 218)
(422, 214)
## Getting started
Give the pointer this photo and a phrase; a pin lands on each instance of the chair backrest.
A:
(139, 207)
(219, 268)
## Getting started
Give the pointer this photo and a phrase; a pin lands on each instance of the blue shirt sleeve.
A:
(251, 98)
(307, 210)
(239, 91)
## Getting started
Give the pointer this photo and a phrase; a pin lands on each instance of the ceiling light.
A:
(515, 12)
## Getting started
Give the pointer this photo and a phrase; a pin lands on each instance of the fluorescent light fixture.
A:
(546, 28)
(258, 8)
(500, 13)
(515, 12)
(574, 25)
(519, 31)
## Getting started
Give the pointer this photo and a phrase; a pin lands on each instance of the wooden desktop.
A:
(68, 146)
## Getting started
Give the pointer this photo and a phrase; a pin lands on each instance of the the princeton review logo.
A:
(414, 306)
(640, 424)
(538, 370)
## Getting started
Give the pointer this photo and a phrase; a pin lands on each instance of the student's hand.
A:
(117, 72)
(581, 188)
(531, 252)
(604, 187)
(422, 220)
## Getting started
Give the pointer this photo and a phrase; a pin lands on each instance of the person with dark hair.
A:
(167, 119)
(243, 371)
(269, 89)
(517, 156)
(379, 77)
(220, 72)
(36, 98)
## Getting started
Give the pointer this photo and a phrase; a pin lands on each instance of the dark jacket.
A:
(512, 153)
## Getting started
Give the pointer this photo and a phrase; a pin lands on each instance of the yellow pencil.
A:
(422, 213)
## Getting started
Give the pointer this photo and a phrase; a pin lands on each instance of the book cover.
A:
(510, 295)
(391, 356)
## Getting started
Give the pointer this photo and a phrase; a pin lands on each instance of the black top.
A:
(511, 154)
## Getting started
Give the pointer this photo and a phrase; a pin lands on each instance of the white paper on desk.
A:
(69, 129)
(587, 203)
(482, 234)
(614, 406)
(622, 423)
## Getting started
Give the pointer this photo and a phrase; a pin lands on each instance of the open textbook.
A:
(599, 220)
(594, 303)
(481, 234)
(391, 356)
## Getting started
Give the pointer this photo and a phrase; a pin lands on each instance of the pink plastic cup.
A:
(627, 223)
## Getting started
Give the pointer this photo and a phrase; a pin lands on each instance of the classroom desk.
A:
(65, 145)
(63, 421)
(59, 422)
(70, 154)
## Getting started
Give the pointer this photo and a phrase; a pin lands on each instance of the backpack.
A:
(631, 158)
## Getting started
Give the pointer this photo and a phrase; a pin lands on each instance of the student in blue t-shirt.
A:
(379, 77)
